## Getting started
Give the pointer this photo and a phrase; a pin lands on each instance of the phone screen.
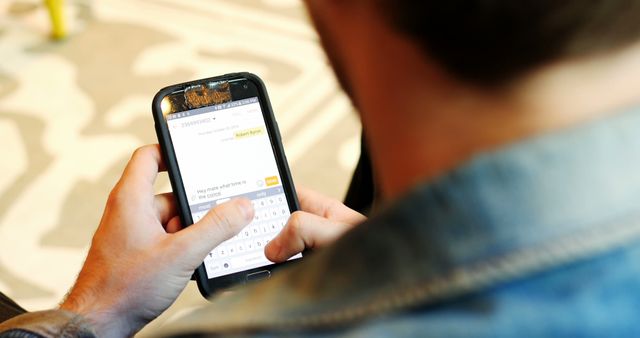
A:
(223, 151)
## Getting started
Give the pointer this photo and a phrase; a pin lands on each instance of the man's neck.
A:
(420, 123)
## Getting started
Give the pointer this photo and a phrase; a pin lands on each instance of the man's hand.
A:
(140, 259)
(321, 221)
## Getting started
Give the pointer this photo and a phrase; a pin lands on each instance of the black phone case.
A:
(208, 286)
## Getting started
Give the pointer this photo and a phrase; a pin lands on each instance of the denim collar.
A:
(546, 187)
(543, 202)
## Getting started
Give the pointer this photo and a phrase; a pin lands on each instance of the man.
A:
(505, 145)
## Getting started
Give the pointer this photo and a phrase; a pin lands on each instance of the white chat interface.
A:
(224, 152)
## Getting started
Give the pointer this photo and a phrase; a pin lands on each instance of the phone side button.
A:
(258, 275)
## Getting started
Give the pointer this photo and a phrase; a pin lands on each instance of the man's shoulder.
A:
(593, 297)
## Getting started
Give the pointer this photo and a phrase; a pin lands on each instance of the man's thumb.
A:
(221, 223)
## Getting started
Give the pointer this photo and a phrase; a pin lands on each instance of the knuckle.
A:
(222, 222)
(143, 151)
(334, 206)
(294, 225)
(116, 196)
(138, 152)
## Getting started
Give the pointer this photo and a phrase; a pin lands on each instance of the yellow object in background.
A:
(58, 23)
(271, 180)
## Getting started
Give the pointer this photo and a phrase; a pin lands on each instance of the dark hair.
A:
(491, 42)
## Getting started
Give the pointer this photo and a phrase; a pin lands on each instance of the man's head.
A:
(494, 42)
(436, 82)
(490, 42)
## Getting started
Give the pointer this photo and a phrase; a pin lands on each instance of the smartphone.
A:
(220, 141)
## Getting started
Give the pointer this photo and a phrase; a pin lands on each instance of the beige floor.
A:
(72, 112)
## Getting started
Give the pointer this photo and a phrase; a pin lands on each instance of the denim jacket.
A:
(539, 238)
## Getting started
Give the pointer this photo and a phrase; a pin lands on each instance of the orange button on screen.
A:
(271, 180)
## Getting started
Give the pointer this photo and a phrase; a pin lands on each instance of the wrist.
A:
(102, 318)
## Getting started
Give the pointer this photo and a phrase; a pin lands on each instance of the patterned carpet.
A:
(71, 113)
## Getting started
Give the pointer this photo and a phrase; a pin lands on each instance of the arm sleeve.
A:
(51, 323)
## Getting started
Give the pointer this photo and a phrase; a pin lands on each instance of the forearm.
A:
(51, 323)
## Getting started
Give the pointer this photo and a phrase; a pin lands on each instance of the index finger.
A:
(312, 202)
(318, 204)
(143, 168)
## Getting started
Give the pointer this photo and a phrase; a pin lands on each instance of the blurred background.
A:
(72, 111)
